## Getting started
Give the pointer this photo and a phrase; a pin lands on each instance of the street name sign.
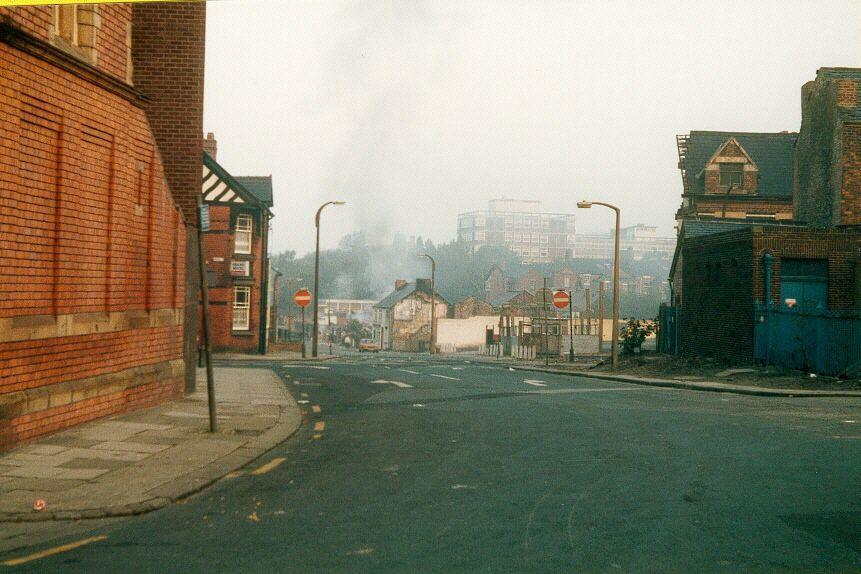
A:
(302, 298)
(561, 299)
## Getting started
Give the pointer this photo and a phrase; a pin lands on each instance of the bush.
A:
(633, 335)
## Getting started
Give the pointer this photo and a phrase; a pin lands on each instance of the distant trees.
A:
(359, 269)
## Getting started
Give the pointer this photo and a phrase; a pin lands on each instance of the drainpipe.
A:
(767, 261)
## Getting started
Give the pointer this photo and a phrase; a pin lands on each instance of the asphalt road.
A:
(407, 465)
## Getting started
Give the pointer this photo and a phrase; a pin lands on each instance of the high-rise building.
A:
(520, 225)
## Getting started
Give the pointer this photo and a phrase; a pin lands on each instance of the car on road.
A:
(368, 345)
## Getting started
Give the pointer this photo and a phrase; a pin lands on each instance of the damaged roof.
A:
(771, 152)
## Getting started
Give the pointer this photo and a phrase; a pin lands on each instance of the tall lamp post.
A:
(316, 294)
(615, 328)
(433, 303)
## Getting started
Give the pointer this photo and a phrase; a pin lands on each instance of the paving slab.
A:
(138, 462)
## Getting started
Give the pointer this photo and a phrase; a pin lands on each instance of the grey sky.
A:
(413, 112)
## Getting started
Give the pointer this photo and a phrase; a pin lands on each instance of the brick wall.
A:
(113, 21)
(827, 167)
(724, 275)
(716, 318)
(850, 191)
(168, 54)
(470, 307)
(92, 245)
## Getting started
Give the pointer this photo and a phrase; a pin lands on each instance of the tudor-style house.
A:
(237, 263)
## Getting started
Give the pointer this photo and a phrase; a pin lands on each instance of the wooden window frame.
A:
(242, 230)
(241, 309)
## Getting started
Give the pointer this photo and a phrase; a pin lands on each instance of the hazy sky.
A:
(415, 111)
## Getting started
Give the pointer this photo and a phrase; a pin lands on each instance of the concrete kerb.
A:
(696, 386)
(181, 487)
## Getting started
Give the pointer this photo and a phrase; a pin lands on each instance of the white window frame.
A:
(241, 309)
(243, 233)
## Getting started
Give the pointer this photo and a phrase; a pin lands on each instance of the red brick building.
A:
(813, 265)
(93, 244)
(237, 262)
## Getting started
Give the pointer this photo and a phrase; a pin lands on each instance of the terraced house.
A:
(237, 263)
(100, 122)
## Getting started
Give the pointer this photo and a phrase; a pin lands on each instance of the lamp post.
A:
(433, 303)
(316, 293)
(615, 328)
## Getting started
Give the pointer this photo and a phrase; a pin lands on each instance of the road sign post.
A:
(562, 299)
(302, 298)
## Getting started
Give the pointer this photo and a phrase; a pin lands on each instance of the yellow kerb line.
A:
(52, 551)
(319, 426)
(316, 408)
(268, 466)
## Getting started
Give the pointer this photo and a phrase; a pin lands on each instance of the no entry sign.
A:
(561, 299)
(302, 297)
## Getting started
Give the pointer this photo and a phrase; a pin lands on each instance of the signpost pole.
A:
(303, 332)
(570, 327)
(203, 225)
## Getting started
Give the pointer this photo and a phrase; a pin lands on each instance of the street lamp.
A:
(433, 303)
(615, 328)
(317, 273)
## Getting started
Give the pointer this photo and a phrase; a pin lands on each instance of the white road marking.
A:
(535, 383)
(396, 383)
(320, 367)
(444, 377)
(409, 371)
(457, 368)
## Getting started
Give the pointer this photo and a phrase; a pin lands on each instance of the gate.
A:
(817, 340)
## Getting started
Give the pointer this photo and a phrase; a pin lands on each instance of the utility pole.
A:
(317, 278)
(546, 326)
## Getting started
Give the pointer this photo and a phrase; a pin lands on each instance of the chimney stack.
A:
(210, 145)
(399, 284)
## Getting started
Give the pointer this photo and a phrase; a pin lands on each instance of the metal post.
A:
(317, 275)
(588, 311)
(570, 327)
(601, 316)
(546, 330)
(207, 344)
(615, 331)
(303, 332)
(331, 330)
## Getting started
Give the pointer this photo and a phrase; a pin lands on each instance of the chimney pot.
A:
(210, 145)
(399, 284)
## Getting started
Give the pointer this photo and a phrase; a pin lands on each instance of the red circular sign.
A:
(302, 297)
(561, 299)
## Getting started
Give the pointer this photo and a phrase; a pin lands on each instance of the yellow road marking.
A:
(318, 426)
(304, 395)
(268, 466)
(318, 436)
(52, 551)
(234, 474)
(316, 408)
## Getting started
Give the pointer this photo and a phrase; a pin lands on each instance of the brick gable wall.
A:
(219, 243)
(93, 257)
